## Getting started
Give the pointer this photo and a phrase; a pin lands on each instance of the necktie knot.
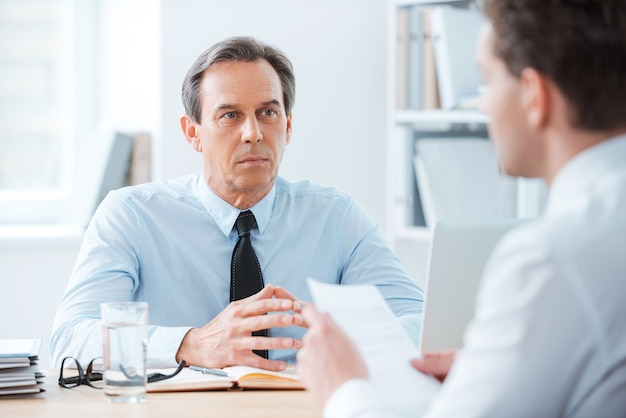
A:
(245, 222)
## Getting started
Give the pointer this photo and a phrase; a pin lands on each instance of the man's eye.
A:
(269, 112)
(230, 115)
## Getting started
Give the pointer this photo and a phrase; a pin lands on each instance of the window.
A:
(40, 83)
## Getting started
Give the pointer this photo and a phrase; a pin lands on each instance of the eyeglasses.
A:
(93, 378)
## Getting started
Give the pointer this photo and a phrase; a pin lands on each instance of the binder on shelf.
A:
(415, 57)
(402, 58)
(406, 196)
(140, 167)
(429, 79)
(416, 76)
(454, 34)
(106, 162)
(459, 180)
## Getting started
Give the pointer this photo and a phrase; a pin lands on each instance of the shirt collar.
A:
(581, 174)
(225, 215)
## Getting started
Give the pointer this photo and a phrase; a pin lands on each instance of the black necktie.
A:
(245, 271)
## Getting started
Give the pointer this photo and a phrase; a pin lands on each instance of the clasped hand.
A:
(227, 339)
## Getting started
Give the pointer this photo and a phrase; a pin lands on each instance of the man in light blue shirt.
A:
(170, 243)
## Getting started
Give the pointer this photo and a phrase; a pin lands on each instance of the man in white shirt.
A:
(549, 334)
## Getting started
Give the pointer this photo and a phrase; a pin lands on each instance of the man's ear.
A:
(535, 97)
(191, 134)
(289, 118)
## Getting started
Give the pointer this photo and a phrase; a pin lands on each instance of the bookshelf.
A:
(422, 105)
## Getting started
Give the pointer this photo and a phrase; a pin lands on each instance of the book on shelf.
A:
(19, 369)
(402, 58)
(140, 166)
(416, 77)
(459, 180)
(406, 212)
(430, 95)
(105, 161)
(454, 35)
(238, 378)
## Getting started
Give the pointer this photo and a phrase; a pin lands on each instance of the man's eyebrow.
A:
(271, 102)
(228, 106)
(224, 106)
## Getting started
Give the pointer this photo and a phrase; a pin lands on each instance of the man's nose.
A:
(251, 132)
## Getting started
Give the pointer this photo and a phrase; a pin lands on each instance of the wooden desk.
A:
(85, 401)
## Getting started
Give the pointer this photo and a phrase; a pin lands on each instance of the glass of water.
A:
(125, 337)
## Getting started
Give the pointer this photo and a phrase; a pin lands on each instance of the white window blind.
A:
(33, 83)
(47, 98)
(68, 69)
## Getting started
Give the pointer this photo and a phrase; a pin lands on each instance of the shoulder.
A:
(306, 189)
(162, 201)
(540, 254)
(182, 188)
(534, 241)
(318, 201)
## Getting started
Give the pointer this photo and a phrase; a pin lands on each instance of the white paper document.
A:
(363, 314)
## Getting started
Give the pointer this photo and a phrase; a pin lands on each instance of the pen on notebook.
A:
(204, 370)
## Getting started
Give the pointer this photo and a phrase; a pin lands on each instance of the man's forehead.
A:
(242, 82)
(235, 105)
(242, 74)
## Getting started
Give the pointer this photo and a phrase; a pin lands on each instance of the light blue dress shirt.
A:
(170, 244)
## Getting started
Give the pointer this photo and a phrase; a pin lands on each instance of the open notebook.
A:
(239, 377)
(458, 255)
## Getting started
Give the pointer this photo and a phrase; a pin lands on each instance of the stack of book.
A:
(19, 369)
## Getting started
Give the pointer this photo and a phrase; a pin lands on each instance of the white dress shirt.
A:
(549, 335)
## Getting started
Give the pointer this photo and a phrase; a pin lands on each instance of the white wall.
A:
(127, 64)
(338, 49)
(34, 269)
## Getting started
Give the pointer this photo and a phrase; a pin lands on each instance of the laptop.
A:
(458, 255)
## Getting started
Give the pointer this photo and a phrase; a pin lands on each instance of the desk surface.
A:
(86, 401)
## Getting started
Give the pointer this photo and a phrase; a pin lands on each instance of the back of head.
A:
(579, 44)
(237, 49)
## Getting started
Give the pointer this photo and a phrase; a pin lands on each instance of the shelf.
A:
(419, 118)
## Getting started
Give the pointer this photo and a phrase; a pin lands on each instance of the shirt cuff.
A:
(163, 344)
(355, 398)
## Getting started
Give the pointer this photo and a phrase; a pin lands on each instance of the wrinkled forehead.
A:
(233, 83)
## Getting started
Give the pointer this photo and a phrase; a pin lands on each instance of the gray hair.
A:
(237, 49)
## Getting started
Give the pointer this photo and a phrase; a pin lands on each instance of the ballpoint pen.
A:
(205, 370)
